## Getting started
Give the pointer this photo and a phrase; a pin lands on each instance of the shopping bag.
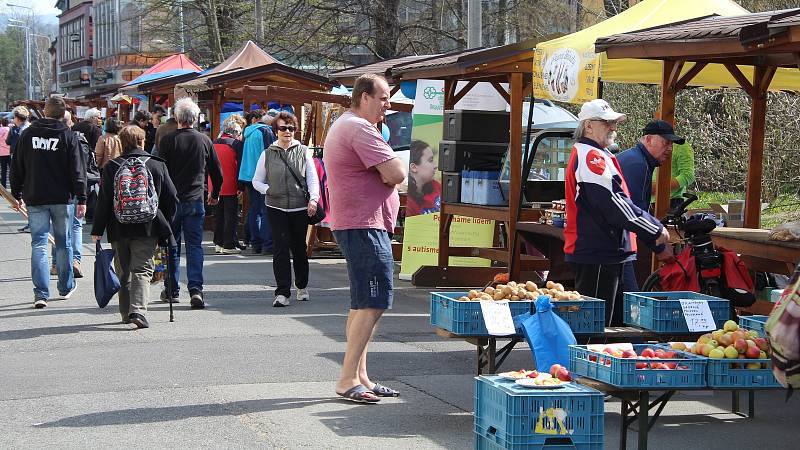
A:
(106, 283)
(783, 330)
(548, 335)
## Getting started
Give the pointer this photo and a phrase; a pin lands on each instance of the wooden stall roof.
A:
(472, 63)
(165, 85)
(275, 73)
(764, 40)
(770, 38)
(348, 76)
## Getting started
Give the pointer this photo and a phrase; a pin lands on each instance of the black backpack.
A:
(92, 171)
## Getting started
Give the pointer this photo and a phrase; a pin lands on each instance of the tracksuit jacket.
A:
(48, 167)
(600, 214)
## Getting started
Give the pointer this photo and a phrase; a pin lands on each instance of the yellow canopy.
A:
(567, 69)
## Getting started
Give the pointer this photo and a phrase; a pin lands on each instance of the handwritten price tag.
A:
(497, 317)
(698, 315)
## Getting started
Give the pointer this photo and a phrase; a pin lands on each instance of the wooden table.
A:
(758, 252)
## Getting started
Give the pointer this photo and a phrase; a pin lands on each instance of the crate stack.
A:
(509, 416)
(471, 154)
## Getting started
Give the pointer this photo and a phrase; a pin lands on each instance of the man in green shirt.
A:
(682, 173)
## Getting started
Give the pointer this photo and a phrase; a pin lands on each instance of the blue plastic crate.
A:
(756, 323)
(661, 312)
(465, 318)
(484, 443)
(511, 415)
(584, 316)
(622, 372)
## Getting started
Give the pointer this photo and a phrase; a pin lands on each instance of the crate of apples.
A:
(732, 342)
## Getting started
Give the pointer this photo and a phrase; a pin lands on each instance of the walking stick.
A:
(13, 203)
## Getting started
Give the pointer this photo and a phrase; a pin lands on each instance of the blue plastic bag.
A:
(548, 335)
(106, 282)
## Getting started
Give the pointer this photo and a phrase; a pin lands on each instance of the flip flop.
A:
(383, 391)
(359, 394)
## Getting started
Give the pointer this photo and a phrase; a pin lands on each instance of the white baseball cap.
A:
(599, 109)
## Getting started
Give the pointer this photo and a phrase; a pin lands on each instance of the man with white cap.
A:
(600, 213)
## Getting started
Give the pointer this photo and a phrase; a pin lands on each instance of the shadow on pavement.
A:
(412, 363)
(31, 333)
(173, 413)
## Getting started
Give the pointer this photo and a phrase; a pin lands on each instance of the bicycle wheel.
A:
(652, 283)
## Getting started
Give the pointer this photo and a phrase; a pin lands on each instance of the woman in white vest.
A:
(285, 174)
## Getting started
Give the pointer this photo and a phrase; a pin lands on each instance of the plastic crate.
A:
(493, 443)
(661, 312)
(756, 323)
(513, 416)
(465, 318)
(622, 372)
(584, 316)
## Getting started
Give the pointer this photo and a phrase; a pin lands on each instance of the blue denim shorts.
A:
(370, 266)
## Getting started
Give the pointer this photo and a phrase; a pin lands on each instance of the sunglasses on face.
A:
(607, 122)
(286, 128)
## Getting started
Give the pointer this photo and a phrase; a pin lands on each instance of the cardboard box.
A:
(732, 213)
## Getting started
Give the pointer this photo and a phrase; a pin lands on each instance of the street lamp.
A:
(28, 87)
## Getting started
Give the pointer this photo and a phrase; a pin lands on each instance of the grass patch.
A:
(785, 208)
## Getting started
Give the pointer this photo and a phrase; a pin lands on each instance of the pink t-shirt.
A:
(5, 149)
(358, 197)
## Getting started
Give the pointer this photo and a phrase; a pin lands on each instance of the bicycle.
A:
(695, 235)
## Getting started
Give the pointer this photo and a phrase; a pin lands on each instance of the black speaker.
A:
(451, 187)
(476, 126)
(461, 155)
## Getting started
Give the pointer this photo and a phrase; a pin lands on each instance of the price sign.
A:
(497, 317)
(698, 315)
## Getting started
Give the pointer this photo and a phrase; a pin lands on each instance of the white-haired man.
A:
(189, 156)
(90, 127)
(600, 213)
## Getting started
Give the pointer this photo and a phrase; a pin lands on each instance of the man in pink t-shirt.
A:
(363, 173)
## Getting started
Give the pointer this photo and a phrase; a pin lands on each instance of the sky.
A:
(40, 7)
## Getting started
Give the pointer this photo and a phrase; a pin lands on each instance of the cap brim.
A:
(611, 115)
(676, 139)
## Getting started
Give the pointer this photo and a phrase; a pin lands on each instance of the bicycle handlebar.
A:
(675, 214)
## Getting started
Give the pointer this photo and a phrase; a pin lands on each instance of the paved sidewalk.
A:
(242, 374)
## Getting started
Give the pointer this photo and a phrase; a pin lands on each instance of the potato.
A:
(531, 286)
(499, 287)
(558, 287)
(550, 285)
(472, 294)
(498, 295)
(506, 291)
(463, 299)
(514, 298)
(485, 297)
(532, 295)
(489, 290)
(512, 284)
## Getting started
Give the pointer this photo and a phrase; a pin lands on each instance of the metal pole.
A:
(474, 23)
(28, 56)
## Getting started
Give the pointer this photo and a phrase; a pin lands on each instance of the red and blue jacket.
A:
(600, 213)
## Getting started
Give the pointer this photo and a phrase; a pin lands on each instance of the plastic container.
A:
(467, 186)
(480, 187)
(722, 374)
(584, 316)
(484, 443)
(756, 323)
(512, 416)
(465, 318)
(622, 372)
(661, 312)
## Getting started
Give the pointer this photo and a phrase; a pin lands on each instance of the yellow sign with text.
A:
(566, 74)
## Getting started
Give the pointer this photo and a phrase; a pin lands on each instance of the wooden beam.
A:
(394, 90)
(741, 79)
(522, 59)
(216, 110)
(689, 75)
(288, 95)
(684, 50)
(755, 167)
(515, 158)
(449, 93)
(501, 91)
(464, 91)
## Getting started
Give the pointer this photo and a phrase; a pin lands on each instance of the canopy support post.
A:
(755, 166)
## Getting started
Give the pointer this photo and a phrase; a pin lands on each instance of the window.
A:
(130, 29)
(72, 36)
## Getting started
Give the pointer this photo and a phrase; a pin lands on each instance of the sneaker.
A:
(39, 303)
(164, 298)
(230, 251)
(217, 249)
(25, 229)
(280, 300)
(252, 252)
(76, 270)
(53, 270)
(196, 301)
(68, 294)
(139, 320)
(302, 295)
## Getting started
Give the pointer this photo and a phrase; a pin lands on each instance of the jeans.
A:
(134, 264)
(226, 217)
(40, 218)
(257, 222)
(188, 224)
(76, 236)
(290, 230)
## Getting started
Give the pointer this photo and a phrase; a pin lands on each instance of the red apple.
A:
(629, 354)
(671, 365)
(740, 345)
(563, 374)
(762, 343)
(752, 352)
(670, 355)
(641, 365)
(659, 353)
(554, 369)
(533, 374)
(593, 358)
(648, 353)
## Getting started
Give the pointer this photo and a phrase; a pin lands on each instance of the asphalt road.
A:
(242, 374)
